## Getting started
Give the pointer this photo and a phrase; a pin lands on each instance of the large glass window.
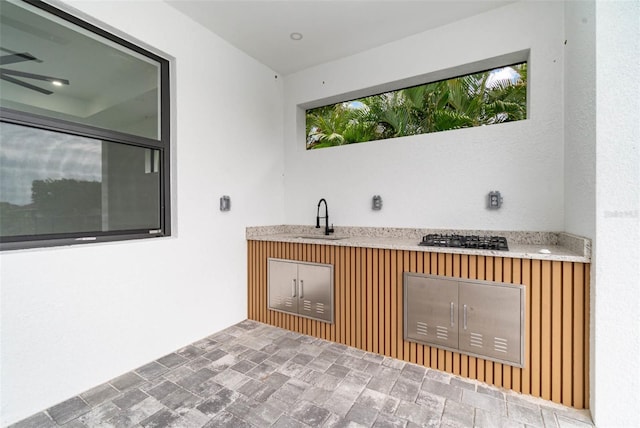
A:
(53, 183)
(485, 98)
(84, 127)
(55, 68)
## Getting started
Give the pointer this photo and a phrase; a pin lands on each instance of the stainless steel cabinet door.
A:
(315, 291)
(490, 318)
(283, 286)
(431, 310)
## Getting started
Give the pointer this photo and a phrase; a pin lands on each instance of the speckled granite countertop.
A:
(522, 245)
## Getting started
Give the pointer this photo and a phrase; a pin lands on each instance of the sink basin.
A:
(323, 237)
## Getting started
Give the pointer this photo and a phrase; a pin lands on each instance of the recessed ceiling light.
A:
(295, 36)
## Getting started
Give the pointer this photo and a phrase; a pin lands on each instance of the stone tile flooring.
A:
(255, 375)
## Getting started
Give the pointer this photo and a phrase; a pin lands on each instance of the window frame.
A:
(455, 72)
(163, 144)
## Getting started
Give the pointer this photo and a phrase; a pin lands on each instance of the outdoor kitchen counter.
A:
(369, 305)
(522, 245)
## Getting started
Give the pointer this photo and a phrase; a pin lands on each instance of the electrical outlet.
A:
(377, 203)
(494, 200)
(225, 203)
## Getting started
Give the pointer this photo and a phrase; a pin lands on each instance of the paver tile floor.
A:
(256, 375)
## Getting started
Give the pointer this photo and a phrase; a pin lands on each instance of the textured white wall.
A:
(439, 180)
(616, 293)
(580, 118)
(75, 317)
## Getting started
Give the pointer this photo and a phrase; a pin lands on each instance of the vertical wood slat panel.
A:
(367, 341)
(261, 280)
(382, 320)
(405, 345)
(358, 301)
(387, 302)
(333, 330)
(556, 331)
(251, 314)
(259, 251)
(372, 284)
(567, 334)
(545, 336)
(578, 337)
(346, 295)
(536, 327)
(395, 319)
(399, 310)
(344, 327)
(368, 312)
(352, 298)
(585, 349)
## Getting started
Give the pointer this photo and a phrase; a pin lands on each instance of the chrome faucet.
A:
(327, 229)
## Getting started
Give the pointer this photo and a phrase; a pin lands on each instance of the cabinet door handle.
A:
(464, 316)
(293, 288)
(451, 314)
(301, 289)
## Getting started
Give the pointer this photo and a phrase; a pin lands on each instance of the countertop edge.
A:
(561, 246)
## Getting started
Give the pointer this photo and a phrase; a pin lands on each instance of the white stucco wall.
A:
(75, 317)
(442, 179)
(615, 352)
(580, 118)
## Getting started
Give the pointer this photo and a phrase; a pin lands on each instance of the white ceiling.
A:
(330, 29)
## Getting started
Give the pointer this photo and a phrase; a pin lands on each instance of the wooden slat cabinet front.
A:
(368, 312)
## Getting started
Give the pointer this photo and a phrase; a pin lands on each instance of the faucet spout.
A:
(327, 229)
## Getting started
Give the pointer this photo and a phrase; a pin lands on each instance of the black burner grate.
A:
(466, 241)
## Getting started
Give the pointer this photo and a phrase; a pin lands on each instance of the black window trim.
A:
(73, 128)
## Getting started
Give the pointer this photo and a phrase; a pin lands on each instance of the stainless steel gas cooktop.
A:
(466, 241)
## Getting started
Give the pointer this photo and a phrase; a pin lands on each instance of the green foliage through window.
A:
(486, 98)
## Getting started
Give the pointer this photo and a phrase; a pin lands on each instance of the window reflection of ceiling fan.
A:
(8, 75)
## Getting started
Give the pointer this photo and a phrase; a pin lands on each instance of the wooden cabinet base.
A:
(368, 312)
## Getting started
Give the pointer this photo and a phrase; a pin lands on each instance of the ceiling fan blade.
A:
(3, 76)
(16, 57)
(33, 76)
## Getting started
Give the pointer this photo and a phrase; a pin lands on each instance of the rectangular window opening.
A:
(489, 97)
(84, 127)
